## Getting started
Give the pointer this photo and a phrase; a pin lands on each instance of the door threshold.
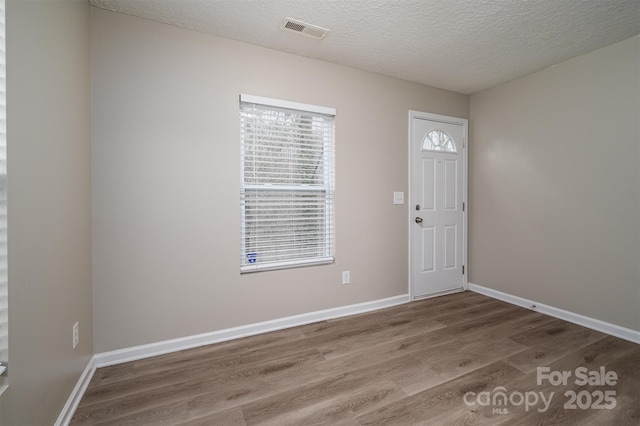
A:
(439, 293)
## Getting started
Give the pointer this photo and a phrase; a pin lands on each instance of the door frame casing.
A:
(465, 168)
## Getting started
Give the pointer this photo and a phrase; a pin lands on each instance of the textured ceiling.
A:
(460, 45)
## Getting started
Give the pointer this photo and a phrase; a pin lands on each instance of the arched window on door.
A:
(437, 140)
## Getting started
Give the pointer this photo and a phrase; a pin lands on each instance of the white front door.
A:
(438, 231)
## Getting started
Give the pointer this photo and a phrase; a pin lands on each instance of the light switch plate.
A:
(398, 198)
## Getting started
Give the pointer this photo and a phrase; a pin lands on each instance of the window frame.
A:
(328, 186)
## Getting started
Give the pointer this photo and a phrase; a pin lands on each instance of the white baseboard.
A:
(167, 346)
(76, 395)
(592, 323)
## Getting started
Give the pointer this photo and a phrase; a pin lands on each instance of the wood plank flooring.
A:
(411, 364)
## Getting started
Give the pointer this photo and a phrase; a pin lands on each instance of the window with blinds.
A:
(4, 301)
(286, 184)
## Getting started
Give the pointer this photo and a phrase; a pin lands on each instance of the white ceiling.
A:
(460, 45)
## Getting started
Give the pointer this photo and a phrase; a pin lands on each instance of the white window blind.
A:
(286, 185)
(4, 330)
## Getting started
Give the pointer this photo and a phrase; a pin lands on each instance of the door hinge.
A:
(462, 269)
(464, 142)
(463, 206)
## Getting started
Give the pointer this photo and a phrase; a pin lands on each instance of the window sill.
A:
(246, 269)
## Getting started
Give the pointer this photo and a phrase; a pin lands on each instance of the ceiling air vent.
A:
(303, 28)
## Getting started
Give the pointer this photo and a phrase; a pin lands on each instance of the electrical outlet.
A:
(76, 335)
(398, 198)
(346, 277)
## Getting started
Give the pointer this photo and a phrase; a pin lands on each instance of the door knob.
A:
(418, 220)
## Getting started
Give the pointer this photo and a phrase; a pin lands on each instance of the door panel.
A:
(428, 201)
(450, 187)
(450, 246)
(428, 249)
(437, 176)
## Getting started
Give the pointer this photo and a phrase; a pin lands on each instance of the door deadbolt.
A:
(418, 220)
(418, 207)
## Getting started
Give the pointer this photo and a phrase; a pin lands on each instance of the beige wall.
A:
(48, 119)
(554, 178)
(166, 229)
